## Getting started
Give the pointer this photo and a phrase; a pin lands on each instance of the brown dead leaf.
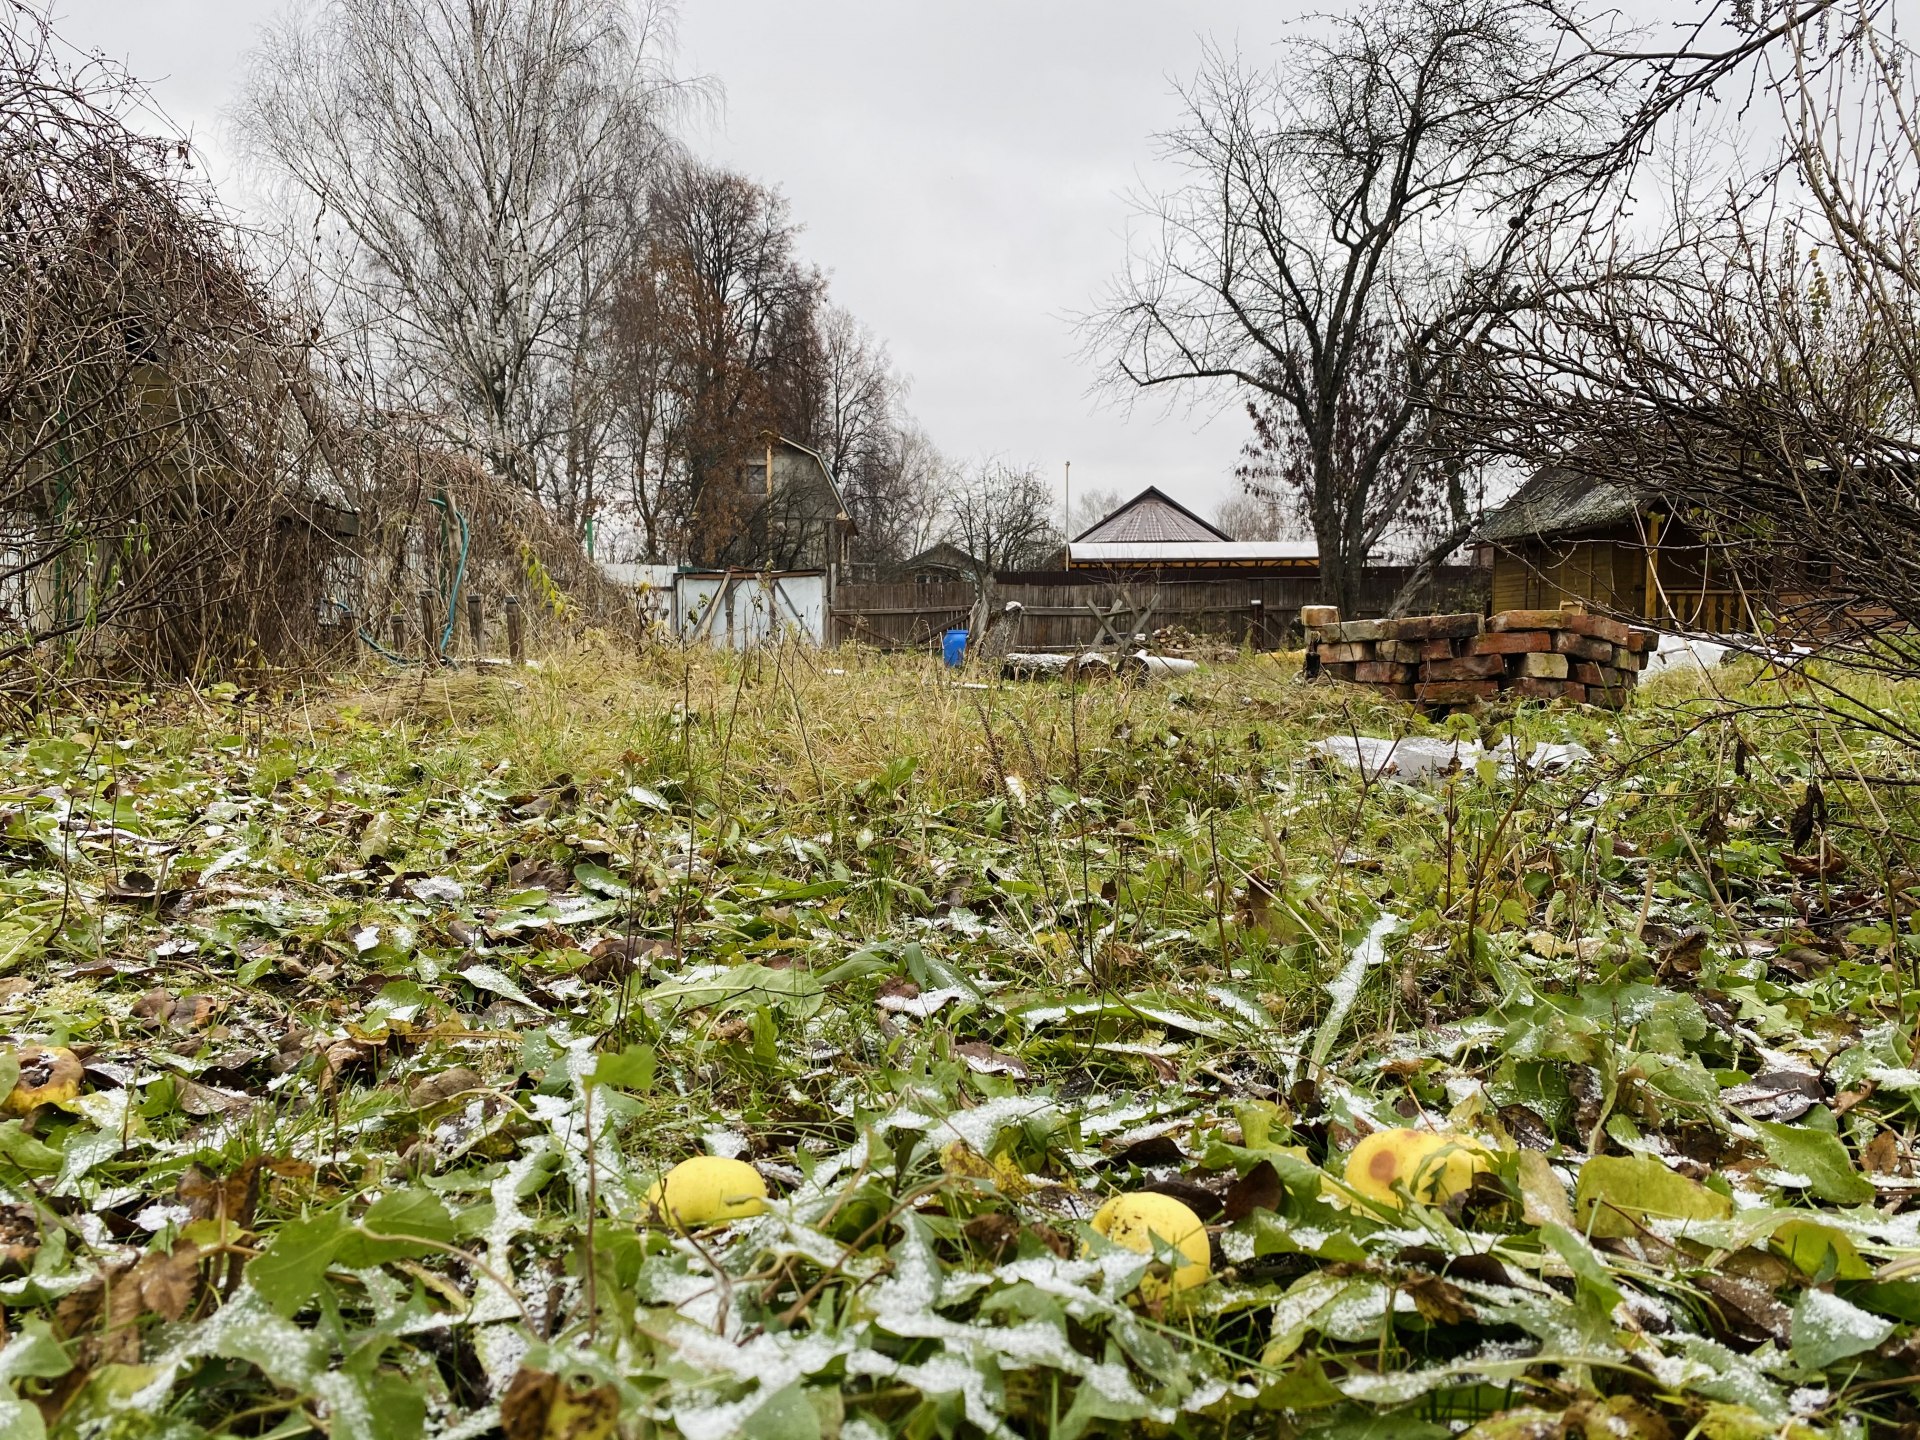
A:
(617, 956)
(994, 1235)
(1745, 1309)
(231, 1198)
(1847, 1099)
(1438, 1301)
(1683, 956)
(524, 1406)
(1882, 1155)
(1808, 817)
(201, 1100)
(344, 1055)
(1528, 1130)
(193, 1012)
(1799, 962)
(1825, 863)
(539, 1405)
(1197, 1198)
(166, 1284)
(1258, 1189)
(432, 1090)
(1146, 1154)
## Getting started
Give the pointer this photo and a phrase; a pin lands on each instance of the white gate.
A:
(742, 609)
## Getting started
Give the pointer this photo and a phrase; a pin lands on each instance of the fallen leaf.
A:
(1258, 1189)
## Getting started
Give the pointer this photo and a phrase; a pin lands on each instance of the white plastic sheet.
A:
(1415, 758)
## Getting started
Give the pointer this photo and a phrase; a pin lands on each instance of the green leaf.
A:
(33, 1352)
(1583, 1260)
(392, 1227)
(289, 1270)
(1819, 1251)
(1818, 1159)
(601, 880)
(1827, 1329)
(1617, 1193)
(20, 1420)
(23, 1150)
(785, 1415)
(794, 991)
(630, 1069)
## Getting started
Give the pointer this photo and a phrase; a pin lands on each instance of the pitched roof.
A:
(1167, 553)
(943, 555)
(833, 481)
(1151, 515)
(1559, 501)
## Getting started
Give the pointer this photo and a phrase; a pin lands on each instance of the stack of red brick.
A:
(1444, 661)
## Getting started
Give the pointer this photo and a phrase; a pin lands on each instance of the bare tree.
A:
(888, 469)
(1090, 507)
(1003, 516)
(896, 488)
(1754, 369)
(1353, 218)
(858, 391)
(717, 331)
(1262, 517)
(469, 169)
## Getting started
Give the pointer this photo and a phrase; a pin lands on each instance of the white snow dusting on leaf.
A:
(1344, 988)
(923, 1005)
(438, 890)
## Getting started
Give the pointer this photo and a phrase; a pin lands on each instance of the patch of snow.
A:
(1676, 653)
(158, 1217)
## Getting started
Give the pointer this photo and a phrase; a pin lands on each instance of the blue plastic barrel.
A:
(953, 647)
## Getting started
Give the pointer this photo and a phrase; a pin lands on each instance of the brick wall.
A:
(1445, 662)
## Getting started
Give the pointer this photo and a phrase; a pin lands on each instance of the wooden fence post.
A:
(429, 628)
(515, 646)
(1257, 624)
(397, 632)
(476, 623)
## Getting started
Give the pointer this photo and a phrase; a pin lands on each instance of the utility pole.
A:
(1066, 530)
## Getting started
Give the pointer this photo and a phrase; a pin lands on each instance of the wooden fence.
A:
(1068, 612)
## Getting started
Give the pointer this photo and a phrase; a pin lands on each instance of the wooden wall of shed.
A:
(1696, 587)
(1606, 573)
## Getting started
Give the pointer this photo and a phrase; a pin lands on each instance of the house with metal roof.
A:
(1154, 532)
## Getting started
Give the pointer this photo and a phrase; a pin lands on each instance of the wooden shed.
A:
(1568, 535)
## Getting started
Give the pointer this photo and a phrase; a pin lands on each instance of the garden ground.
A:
(393, 997)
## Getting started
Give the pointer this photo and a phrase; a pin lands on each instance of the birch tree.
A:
(471, 172)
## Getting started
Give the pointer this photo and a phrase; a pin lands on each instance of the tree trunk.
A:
(1425, 567)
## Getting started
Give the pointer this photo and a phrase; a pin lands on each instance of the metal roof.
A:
(1152, 515)
(1192, 552)
(1559, 501)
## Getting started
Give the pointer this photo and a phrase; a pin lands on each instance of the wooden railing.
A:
(1715, 612)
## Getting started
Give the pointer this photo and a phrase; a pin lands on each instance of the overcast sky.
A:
(959, 166)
